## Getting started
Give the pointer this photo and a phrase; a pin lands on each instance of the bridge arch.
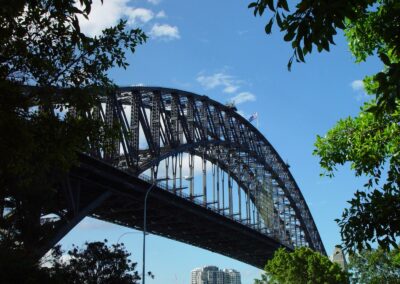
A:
(159, 124)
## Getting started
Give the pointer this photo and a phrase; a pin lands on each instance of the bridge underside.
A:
(168, 214)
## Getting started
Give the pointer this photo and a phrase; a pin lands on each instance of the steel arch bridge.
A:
(224, 188)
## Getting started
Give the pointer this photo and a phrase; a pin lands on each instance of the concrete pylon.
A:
(339, 257)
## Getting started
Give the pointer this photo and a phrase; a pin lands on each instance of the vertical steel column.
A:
(218, 193)
(265, 200)
(271, 205)
(175, 118)
(180, 158)
(216, 123)
(223, 193)
(284, 217)
(258, 189)
(190, 119)
(96, 151)
(227, 127)
(108, 151)
(240, 202)
(191, 175)
(248, 205)
(174, 166)
(254, 215)
(204, 122)
(112, 144)
(135, 126)
(281, 228)
(155, 125)
(258, 203)
(204, 168)
(166, 171)
(230, 194)
(213, 182)
(276, 210)
(295, 233)
(291, 225)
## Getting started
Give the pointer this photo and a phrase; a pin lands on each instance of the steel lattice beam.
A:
(171, 122)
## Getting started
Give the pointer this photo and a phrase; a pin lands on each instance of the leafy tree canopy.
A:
(372, 146)
(375, 266)
(303, 265)
(370, 141)
(41, 45)
(371, 27)
(96, 263)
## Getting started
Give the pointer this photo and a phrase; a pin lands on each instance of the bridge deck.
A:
(169, 215)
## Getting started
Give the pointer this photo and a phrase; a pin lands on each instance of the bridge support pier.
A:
(71, 219)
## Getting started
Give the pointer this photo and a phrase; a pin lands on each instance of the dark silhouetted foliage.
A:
(370, 141)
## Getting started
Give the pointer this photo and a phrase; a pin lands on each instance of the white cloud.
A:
(161, 14)
(108, 14)
(230, 89)
(138, 15)
(165, 32)
(154, 2)
(198, 171)
(357, 85)
(243, 97)
(210, 82)
(359, 88)
(220, 79)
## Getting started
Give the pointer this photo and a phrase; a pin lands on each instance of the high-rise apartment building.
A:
(231, 276)
(213, 275)
(195, 275)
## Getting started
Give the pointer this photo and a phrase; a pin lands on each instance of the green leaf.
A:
(268, 27)
(279, 20)
(289, 36)
(261, 9)
(300, 54)
(283, 4)
(253, 4)
(289, 65)
(325, 44)
(271, 5)
(385, 59)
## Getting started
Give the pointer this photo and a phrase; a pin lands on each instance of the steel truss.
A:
(169, 128)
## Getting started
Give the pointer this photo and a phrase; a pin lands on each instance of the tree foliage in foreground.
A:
(372, 145)
(94, 263)
(375, 266)
(302, 266)
(41, 45)
(370, 141)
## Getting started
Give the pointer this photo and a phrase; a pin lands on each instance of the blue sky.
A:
(218, 48)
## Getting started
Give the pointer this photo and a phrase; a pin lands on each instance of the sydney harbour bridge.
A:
(218, 183)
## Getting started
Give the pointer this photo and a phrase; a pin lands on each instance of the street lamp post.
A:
(144, 226)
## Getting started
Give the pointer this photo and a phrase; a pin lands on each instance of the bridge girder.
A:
(160, 124)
